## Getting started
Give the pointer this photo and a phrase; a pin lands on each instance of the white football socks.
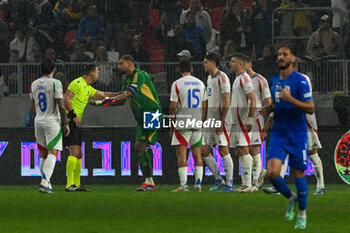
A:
(149, 181)
(41, 165)
(211, 164)
(318, 169)
(246, 169)
(49, 165)
(198, 175)
(182, 175)
(228, 164)
(284, 168)
(256, 169)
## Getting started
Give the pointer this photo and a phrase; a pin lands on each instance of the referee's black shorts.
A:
(74, 138)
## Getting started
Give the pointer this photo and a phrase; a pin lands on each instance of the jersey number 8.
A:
(193, 95)
(42, 101)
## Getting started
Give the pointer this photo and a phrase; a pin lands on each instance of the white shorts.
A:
(312, 139)
(211, 138)
(48, 134)
(187, 137)
(256, 134)
(239, 136)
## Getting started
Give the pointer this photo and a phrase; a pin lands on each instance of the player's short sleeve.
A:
(137, 81)
(92, 91)
(304, 90)
(174, 92)
(246, 84)
(58, 90)
(224, 83)
(265, 90)
(74, 87)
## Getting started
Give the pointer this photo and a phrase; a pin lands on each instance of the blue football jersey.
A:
(289, 122)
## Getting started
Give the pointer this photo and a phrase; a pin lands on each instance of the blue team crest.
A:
(151, 120)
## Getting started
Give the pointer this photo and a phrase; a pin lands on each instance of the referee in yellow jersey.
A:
(76, 98)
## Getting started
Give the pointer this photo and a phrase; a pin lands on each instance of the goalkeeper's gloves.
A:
(105, 102)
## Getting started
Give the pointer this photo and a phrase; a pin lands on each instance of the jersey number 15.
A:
(193, 94)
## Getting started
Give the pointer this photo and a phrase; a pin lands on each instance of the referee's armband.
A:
(132, 88)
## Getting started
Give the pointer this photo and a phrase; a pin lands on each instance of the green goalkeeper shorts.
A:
(148, 136)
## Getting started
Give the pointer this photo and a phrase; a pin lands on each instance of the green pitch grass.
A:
(116, 208)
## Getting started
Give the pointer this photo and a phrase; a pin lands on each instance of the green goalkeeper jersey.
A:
(144, 97)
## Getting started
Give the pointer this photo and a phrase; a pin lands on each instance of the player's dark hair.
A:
(213, 57)
(128, 57)
(89, 68)
(241, 56)
(290, 46)
(47, 67)
(185, 65)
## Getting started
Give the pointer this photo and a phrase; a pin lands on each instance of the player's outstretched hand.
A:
(95, 102)
(66, 130)
(78, 122)
(107, 101)
(285, 93)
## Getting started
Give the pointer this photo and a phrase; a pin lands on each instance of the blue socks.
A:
(280, 184)
(302, 191)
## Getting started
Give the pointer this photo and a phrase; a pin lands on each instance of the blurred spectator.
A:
(172, 9)
(70, 52)
(105, 69)
(301, 23)
(320, 70)
(25, 45)
(340, 16)
(116, 15)
(202, 19)
(51, 55)
(81, 56)
(141, 7)
(184, 54)
(90, 27)
(235, 25)
(4, 51)
(195, 35)
(4, 32)
(326, 36)
(115, 83)
(347, 35)
(10, 72)
(40, 14)
(68, 13)
(287, 18)
(15, 13)
(138, 53)
(266, 66)
(173, 44)
(262, 29)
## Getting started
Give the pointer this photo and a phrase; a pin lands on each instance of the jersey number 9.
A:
(42, 101)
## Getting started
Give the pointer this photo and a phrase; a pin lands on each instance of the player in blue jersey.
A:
(292, 99)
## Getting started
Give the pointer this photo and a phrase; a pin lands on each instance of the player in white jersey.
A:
(263, 103)
(218, 92)
(313, 144)
(187, 110)
(243, 104)
(47, 102)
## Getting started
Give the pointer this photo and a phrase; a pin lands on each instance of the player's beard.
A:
(283, 67)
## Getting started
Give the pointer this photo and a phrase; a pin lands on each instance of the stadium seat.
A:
(70, 35)
(215, 17)
(113, 55)
(154, 16)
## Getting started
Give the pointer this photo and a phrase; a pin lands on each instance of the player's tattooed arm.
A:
(64, 118)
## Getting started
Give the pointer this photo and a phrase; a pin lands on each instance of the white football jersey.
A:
(261, 89)
(216, 87)
(189, 92)
(239, 101)
(45, 91)
(310, 118)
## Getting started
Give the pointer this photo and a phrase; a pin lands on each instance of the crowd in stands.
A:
(158, 30)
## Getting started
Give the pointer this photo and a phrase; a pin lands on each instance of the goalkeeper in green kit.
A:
(141, 93)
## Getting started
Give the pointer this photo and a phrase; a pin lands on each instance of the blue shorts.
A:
(298, 154)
